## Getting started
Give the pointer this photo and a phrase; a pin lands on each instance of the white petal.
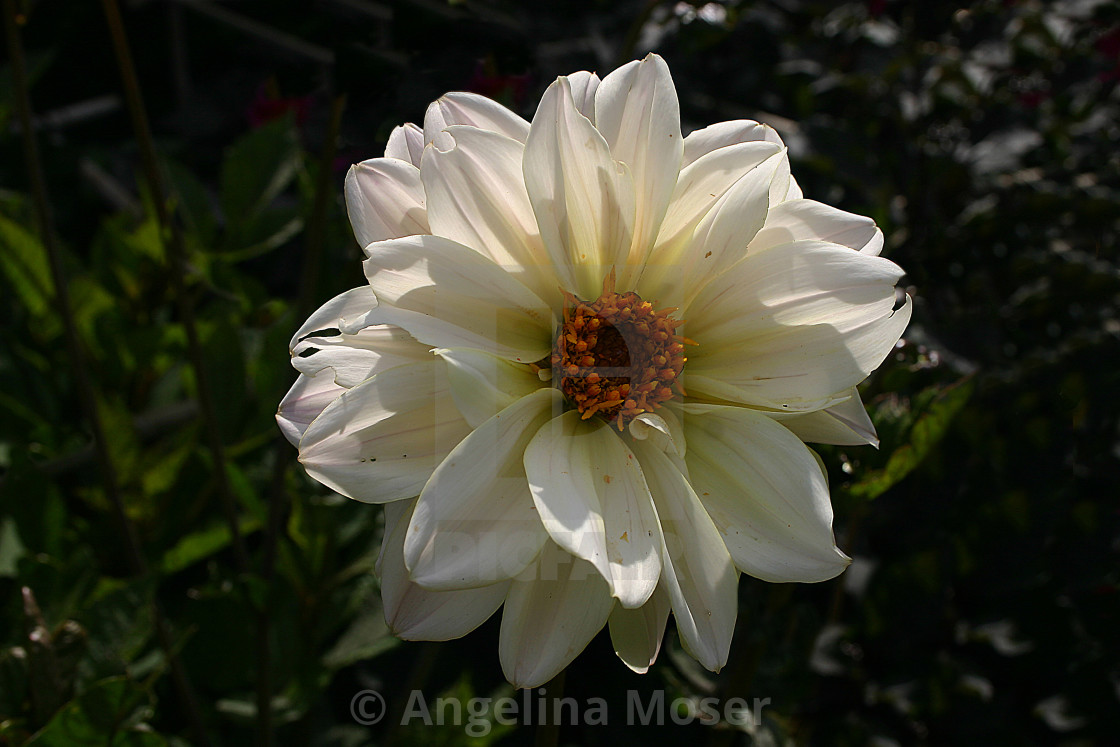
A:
(765, 492)
(458, 298)
(416, 614)
(843, 424)
(663, 429)
(550, 617)
(794, 325)
(584, 85)
(406, 142)
(385, 200)
(807, 219)
(381, 440)
(722, 134)
(354, 358)
(700, 187)
(593, 500)
(637, 634)
(636, 111)
(698, 571)
(583, 200)
(307, 398)
(476, 196)
(721, 236)
(460, 108)
(483, 384)
(475, 522)
(354, 302)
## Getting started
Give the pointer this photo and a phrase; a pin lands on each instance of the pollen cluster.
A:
(616, 357)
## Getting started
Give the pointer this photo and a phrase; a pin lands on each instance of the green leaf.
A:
(929, 424)
(257, 168)
(24, 263)
(202, 544)
(113, 712)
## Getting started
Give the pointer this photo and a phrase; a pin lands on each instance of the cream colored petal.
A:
(484, 384)
(794, 325)
(550, 616)
(381, 440)
(583, 200)
(406, 143)
(701, 142)
(353, 303)
(584, 85)
(458, 298)
(460, 108)
(637, 634)
(797, 220)
(415, 613)
(765, 493)
(699, 574)
(307, 398)
(354, 358)
(843, 424)
(475, 523)
(701, 186)
(593, 500)
(476, 196)
(662, 428)
(636, 111)
(385, 200)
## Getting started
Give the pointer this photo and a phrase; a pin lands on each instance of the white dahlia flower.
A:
(583, 368)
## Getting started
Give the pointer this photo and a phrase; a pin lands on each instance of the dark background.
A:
(983, 138)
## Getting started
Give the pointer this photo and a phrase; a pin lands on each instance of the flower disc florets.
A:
(616, 357)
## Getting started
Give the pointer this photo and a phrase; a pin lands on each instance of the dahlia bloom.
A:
(584, 366)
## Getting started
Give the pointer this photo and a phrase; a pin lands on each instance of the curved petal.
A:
(593, 500)
(385, 200)
(354, 358)
(307, 398)
(475, 522)
(550, 616)
(415, 613)
(483, 384)
(796, 220)
(583, 200)
(843, 424)
(459, 108)
(381, 440)
(701, 142)
(662, 428)
(698, 572)
(584, 85)
(476, 196)
(354, 302)
(637, 634)
(794, 325)
(765, 493)
(727, 179)
(637, 113)
(458, 298)
(406, 143)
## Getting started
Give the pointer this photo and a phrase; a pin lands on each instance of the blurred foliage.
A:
(982, 605)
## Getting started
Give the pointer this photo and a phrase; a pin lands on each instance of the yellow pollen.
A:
(616, 357)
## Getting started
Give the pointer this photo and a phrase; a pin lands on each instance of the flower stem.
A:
(86, 392)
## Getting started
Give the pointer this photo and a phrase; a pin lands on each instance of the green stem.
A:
(548, 733)
(177, 256)
(86, 392)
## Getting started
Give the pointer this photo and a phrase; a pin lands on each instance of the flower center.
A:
(616, 357)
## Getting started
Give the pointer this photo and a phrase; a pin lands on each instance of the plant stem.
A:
(548, 732)
(86, 392)
(177, 257)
